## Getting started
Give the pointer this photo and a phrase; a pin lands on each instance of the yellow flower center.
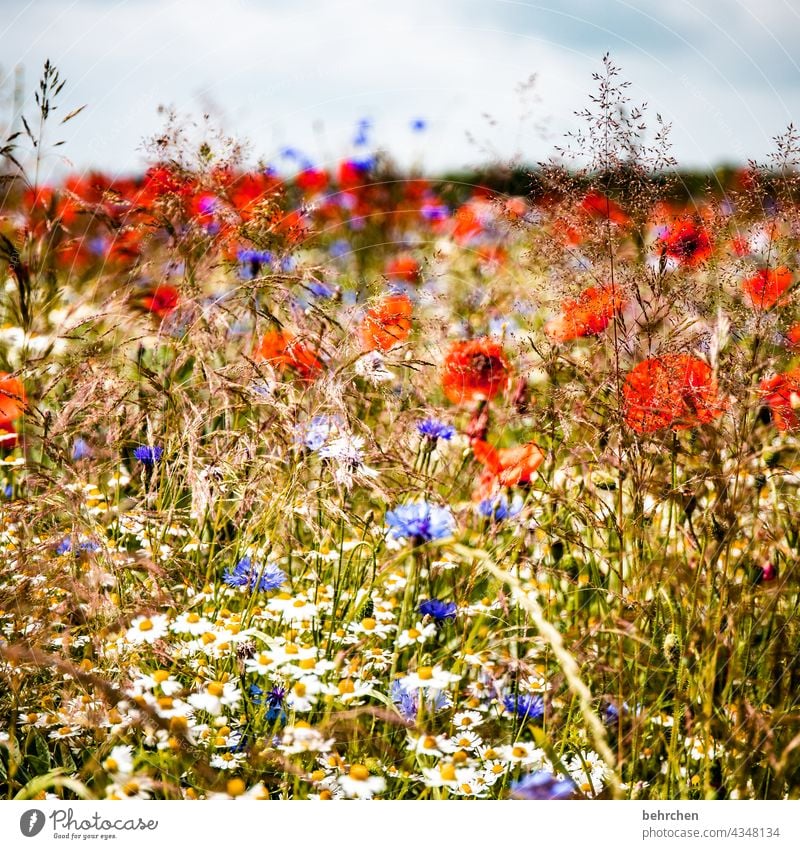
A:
(368, 624)
(215, 689)
(160, 676)
(192, 618)
(346, 686)
(307, 663)
(146, 625)
(448, 772)
(413, 634)
(425, 673)
(235, 787)
(359, 772)
(300, 689)
(429, 743)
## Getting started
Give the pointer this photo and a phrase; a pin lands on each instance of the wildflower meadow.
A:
(338, 480)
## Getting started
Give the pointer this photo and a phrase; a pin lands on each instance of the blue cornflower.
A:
(88, 545)
(438, 610)
(434, 429)
(247, 574)
(434, 211)
(418, 124)
(273, 699)
(321, 289)
(421, 522)
(362, 132)
(339, 248)
(148, 455)
(542, 785)
(408, 702)
(363, 165)
(250, 262)
(81, 449)
(99, 245)
(524, 706)
(611, 711)
(499, 508)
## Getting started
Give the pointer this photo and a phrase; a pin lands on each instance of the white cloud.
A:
(721, 71)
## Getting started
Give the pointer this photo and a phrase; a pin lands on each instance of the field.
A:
(352, 483)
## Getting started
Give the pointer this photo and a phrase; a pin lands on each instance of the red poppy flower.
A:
(403, 267)
(687, 241)
(467, 224)
(352, 174)
(283, 350)
(312, 180)
(161, 300)
(782, 395)
(387, 324)
(491, 257)
(251, 189)
(589, 315)
(765, 288)
(508, 466)
(12, 397)
(676, 391)
(474, 370)
(599, 206)
(8, 436)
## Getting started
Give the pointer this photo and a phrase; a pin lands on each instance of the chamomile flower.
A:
(429, 678)
(119, 761)
(589, 772)
(360, 784)
(227, 760)
(215, 696)
(147, 629)
(462, 741)
(426, 745)
(467, 719)
(190, 622)
(371, 627)
(419, 634)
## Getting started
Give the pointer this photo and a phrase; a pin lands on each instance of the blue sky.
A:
(302, 73)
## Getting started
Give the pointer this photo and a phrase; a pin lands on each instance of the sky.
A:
(494, 80)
